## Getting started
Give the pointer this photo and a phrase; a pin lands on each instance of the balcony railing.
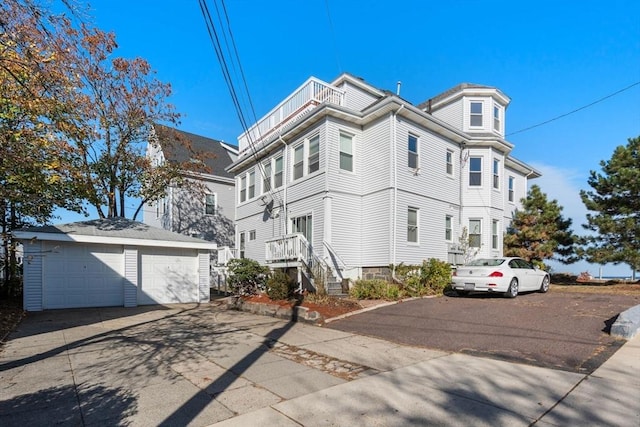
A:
(292, 247)
(307, 97)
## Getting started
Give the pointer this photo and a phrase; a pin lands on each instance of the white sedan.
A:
(500, 275)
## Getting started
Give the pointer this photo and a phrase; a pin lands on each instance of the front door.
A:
(303, 225)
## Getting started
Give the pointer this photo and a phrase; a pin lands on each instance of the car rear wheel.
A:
(512, 292)
(544, 287)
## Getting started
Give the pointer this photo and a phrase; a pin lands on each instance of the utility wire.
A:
(233, 58)
(333, 36)
(575, 111)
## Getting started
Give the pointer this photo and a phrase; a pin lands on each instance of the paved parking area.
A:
(198, 365)
(567, 331)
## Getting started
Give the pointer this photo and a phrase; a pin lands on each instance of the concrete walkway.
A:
(201, 365)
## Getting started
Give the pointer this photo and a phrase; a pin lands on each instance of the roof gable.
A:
(112, 231)
(175, 147)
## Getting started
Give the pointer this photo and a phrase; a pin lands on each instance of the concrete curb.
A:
(627, 324)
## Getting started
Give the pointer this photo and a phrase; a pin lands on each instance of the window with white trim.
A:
(448, 230)
(412, 147)
(314, 154)
(496, 173)
(494, 234)
(277, 172)
(496, 118)
(242, 245)
(346, 152)
(412, 225)
(266, 179)
(449, 160)
(252, 235)
(475, 114)
(475, 171)
(252, 184)
(243, 188)
(210, 204)
(475, 233)
(511, 188)
(298, 161)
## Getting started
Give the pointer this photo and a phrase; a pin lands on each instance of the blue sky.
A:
(550, 57)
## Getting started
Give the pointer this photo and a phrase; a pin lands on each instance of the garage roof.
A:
(115, 231)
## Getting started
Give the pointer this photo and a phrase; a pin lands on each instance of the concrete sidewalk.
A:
(201, 365)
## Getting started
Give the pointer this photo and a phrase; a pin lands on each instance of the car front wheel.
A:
(544, 287)
(512, 292)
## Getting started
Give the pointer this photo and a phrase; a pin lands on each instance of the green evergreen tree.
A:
(539, 232)
(614, 209)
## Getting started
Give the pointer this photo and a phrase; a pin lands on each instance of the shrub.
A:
(246, 276)
(431, 277)
(374, 289)
(280, 286)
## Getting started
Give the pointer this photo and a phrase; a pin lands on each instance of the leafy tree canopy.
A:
(614, 209)
(539, 232)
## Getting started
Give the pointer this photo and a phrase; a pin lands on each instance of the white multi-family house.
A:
(354, 179)
(203, 205)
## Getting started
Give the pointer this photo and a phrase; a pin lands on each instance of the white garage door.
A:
(168, 275)
(82, 275)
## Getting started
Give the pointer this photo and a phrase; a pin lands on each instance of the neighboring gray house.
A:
(350, 179)
(204, 205)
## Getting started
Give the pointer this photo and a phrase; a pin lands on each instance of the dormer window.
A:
(475, 117)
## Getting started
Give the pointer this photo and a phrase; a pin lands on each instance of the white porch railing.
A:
(312, 93)
(286, 248)
(225, 254)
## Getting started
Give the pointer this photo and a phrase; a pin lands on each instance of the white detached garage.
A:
(112, 262)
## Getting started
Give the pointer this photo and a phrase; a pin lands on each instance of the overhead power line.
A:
(576, 110)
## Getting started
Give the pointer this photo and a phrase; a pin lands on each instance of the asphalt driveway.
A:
(567, 331)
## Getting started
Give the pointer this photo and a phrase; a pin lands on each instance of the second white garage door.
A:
(167, 275)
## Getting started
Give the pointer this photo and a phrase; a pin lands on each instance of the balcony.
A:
(292, 247)
(307, 97)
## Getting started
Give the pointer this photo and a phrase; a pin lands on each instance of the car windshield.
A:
(486, 262)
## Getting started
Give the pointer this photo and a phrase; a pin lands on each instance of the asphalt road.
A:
(567, 331)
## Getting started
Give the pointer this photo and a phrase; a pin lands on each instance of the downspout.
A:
(394, 153)
(285, 168)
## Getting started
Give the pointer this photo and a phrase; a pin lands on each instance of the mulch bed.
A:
(328, 307)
